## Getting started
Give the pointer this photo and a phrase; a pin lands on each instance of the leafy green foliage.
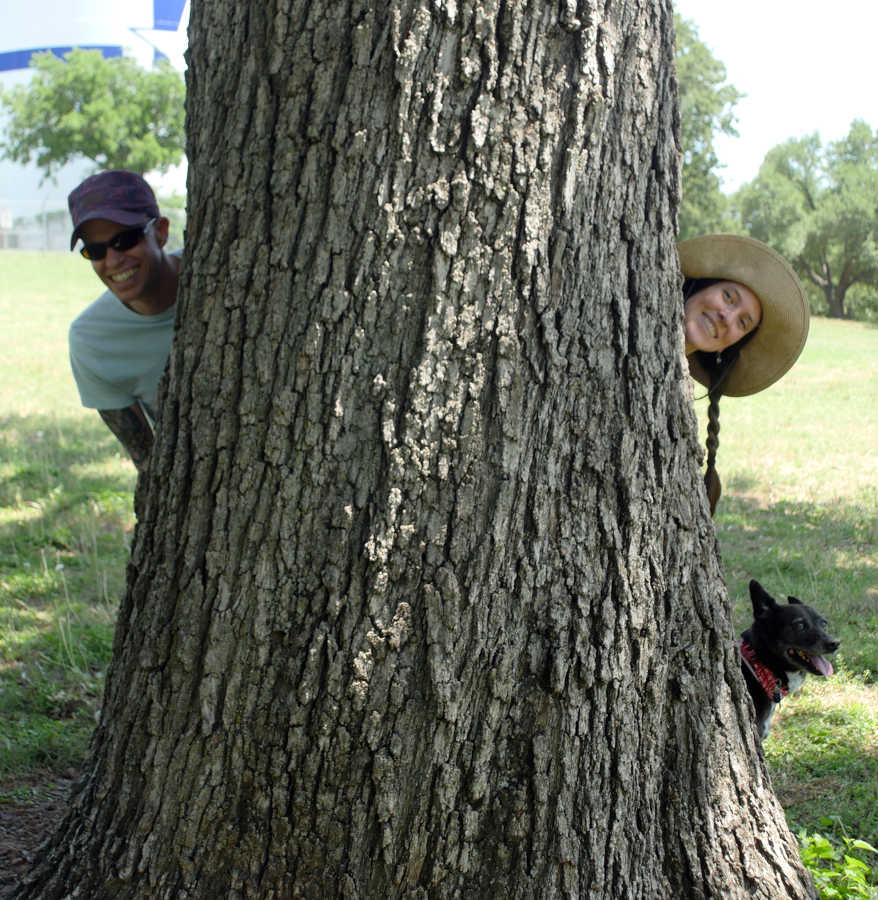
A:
(838, 873)
(706, 109)
(819, 207)
(111, 111)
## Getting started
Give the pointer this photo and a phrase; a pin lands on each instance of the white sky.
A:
(804, 65)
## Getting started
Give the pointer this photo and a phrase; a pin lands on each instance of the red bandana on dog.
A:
(771, 684)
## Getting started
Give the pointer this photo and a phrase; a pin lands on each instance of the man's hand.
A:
(132, 428)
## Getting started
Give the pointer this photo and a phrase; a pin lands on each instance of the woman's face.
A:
(720, 315)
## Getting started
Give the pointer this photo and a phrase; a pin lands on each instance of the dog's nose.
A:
(831, 645)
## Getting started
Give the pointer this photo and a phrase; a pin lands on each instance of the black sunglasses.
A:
(122, 241)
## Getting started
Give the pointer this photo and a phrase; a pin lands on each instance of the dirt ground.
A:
(29, 810)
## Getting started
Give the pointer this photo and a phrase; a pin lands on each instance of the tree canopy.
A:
(818, 205)
(706, 109)
(111, 111)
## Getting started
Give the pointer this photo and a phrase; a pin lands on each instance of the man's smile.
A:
(120, 277)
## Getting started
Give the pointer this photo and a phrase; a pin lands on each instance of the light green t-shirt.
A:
(118, 356)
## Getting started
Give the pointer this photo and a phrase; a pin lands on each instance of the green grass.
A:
(824, 756)
(65, 523)
(799, 464)
(799, 512)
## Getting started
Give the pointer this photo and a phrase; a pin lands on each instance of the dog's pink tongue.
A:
(824, 666)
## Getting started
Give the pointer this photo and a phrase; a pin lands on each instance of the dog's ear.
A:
(763, 602)
(794, 600)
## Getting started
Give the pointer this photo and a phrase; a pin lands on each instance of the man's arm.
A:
(130, 425)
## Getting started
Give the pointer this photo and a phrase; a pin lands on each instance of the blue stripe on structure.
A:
(167, 14)
(20, 59)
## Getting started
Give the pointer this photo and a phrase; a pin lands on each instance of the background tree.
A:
(819, 207)
(706, 109)
(425, 598)
(111, 111)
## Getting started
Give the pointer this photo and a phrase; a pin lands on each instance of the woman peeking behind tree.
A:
(745, 319)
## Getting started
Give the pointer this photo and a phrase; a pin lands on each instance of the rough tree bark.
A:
(425, 600)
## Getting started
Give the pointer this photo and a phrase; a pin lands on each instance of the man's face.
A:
(132, 275)
(720, 315)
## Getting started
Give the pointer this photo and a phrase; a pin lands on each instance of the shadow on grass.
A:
(42, 449)
(824, 554)
(823, 758)
(54, 472)
(66, 515)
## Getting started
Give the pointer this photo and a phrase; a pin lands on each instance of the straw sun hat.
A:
(781, 335)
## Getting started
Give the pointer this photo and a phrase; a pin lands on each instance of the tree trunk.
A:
(425, 599)
(833, 291)
(834, 300)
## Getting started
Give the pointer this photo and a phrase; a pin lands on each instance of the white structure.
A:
(139, 28)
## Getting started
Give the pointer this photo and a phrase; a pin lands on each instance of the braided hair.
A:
(718, 367)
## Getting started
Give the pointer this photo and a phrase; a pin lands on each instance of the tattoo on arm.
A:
(133, 430)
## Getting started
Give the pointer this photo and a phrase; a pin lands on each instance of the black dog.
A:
(781, 647)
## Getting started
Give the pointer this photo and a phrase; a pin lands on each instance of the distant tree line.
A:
(817, 204)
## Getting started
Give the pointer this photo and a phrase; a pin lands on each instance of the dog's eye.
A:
(799, 625)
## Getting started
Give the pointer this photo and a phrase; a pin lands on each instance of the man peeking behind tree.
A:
(119, 345)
